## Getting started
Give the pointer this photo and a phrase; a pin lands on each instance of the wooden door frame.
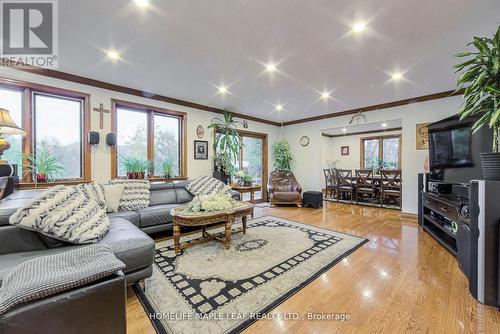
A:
(265, 158)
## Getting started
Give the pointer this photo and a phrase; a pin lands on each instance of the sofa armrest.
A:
(96, 308)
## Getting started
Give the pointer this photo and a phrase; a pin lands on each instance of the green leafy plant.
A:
(480, 82)
(168, 168)
(136, 168)
(282, 155)
(43, 165)
(227, 142)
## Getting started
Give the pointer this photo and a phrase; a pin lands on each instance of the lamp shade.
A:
(7, 124)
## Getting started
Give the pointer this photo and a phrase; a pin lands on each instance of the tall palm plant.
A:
(480, 82)
(227, 141)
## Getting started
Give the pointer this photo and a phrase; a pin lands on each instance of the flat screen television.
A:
(454, 151)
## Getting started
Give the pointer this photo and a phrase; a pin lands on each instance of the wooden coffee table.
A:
(247, 189)
(227, 217)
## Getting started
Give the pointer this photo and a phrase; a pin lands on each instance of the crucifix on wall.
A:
(101, 111)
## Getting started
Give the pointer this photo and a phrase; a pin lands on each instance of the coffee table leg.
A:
(177, 236)
(244, 223)
(203, 231)
(228, 233)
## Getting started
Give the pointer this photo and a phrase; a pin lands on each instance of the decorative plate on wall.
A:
(200, 132)
(304, 141)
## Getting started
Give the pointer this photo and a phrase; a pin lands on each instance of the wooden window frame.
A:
(151, 111)
(29, 90)
(380, 148)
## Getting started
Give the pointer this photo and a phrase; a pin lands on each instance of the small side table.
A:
(250, 189)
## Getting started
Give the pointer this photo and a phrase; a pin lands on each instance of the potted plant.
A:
(282, 155)
(168, 168)
(44, 166)
(244, 180)
(136, 168)
(226, 145)
(480, 82)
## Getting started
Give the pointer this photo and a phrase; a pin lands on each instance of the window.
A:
(148, 133)
(58, 129)
(381, 152)
(55, 120)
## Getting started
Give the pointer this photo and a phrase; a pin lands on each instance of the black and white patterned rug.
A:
(207, 289)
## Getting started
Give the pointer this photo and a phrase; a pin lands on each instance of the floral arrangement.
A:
(211, 203)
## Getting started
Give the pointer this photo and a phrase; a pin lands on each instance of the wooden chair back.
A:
(344, 176)
(364, 178)
(391, 179)
(328, 177)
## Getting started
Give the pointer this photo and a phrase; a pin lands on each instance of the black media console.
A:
(466, 220)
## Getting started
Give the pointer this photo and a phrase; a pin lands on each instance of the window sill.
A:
(32, 185)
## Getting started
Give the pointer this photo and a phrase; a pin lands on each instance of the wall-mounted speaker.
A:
(93, 137)
(111, 138)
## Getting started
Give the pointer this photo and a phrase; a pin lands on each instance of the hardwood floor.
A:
(402, 280)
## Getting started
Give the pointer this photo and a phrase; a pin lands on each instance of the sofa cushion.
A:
(162, 193)
(135, 196)
(131, 216)
(129, 244)
(156, 215)
(113, 194)
(285, 196)
(183, 196)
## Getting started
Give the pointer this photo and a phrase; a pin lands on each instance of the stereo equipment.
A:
(111, 139)
(93, 137)
(484, 241)
(440, 187)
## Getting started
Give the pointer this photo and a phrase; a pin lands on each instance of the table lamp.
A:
(7, 127)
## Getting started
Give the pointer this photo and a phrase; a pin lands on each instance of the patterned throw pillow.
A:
(206, 185)
(135, 196)
(76, 214)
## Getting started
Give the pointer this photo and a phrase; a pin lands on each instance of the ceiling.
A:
(363, 127)
(185, 48)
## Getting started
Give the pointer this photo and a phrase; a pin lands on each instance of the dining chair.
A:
(390, 186)
(365, 184)
(329, 182)
(345, 183)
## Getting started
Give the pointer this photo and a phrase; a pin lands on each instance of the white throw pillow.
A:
(113, 194)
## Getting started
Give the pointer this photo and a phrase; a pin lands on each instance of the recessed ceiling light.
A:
(142, 3)
(279, 107)
(222, 89)
(397, 76)
(325, 95)
(359, 27)
(112, 54)
(384, 125)
(271, 67)
(344, 130)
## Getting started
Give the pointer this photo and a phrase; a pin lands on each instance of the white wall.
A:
(311, 160)
(101, 154)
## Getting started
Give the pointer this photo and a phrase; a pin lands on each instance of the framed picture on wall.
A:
(201, 150)
(422, 136)
(344, 150)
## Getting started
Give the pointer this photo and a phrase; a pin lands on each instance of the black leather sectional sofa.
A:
(127, 236)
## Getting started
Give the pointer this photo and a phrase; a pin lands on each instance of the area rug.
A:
(208, 289)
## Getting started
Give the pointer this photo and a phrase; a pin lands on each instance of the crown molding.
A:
(131, 91)
(361, 132)
(380, 106)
